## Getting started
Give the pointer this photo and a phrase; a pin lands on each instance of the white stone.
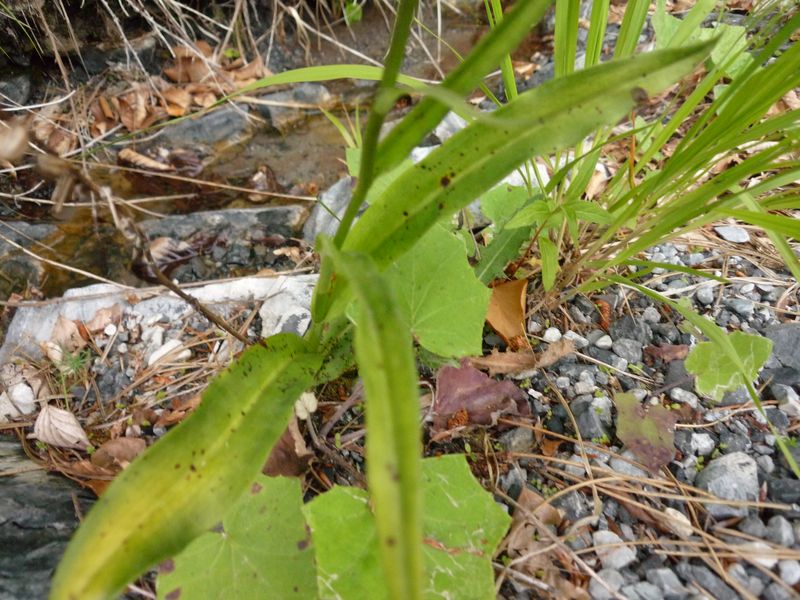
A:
(702, 444)
(733, 233)
(616, 557)
(605, 342)
(172, 349)
(678, 522)
(17, 401)
(110, 329)
(551, 335)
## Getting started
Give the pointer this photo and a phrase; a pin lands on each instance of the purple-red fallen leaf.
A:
(666, 353)
(648, 433)
(465, 388)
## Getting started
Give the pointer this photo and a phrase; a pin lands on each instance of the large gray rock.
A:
(233, 222)
(786, 344)
(328, 211)
(287, 108)
(731, 477)
(37, 518)
(228, 125)
(285, 308)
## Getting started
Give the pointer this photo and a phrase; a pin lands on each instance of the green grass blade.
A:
(566, 36)
(597, 32)
(559, 113)
(394, 464)
(184, 483)
(486, 55)
(631, 28)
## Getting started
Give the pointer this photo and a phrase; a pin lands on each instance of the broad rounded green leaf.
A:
(180, 486)
(717, 374)
(261, 550)
(441, 301)
(462, 526)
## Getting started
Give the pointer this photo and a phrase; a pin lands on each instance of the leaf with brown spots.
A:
(266, 544)
(648, 433)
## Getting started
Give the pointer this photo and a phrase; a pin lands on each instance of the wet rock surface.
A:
(37, 518)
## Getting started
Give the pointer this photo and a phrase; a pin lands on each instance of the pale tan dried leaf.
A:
(140, 161)
(597, 184)
(118, 453)
(178, 96)
(205, 48)
(515, 363)
(188, 69)
(205, 100)
(13, 142)
(133, 110)
(61, 141)
(103, 317)
(252, 70)
(66, 335)
(59, 427)
(506, 313)
(105, 106)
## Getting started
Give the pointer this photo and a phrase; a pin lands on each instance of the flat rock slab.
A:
(286, 308)
(37, 518)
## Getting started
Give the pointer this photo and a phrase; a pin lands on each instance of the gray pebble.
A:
(630, 350)
(704, 295)
(702, 444)
(732, 477)
(775, 591)
(668, 582)
(789, 571)
(684, 397)
(744, 308)
(519, 439)
(612, 578)
(733, 233)
(615, 557)
(579, 341)
(780, 532)
(651, 314)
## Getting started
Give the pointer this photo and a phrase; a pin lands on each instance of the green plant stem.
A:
(384, 100)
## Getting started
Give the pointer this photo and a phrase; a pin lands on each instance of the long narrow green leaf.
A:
(631, 28)
(559, 113)
(486, 55)
(183, 484)
(566, 36)
(597, 32)
(394, 471)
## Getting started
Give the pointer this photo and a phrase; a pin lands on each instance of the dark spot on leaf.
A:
(441, 205)
(445, 181)
(295, 589)
(256, 488)
(302, 544)
(177, 465)
(193, 468)
(218, 528)
(639, 96)
(168, 566)
(391, 542)
(174, 594)
(405, 213)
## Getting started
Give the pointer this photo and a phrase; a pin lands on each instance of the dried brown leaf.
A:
(13, 142)
(506, 313)
(103, 317)
(59, 427)
(666, 353)
(66, 335)
(290, 455)
(465, 388)
(648, 433)
(116, 454)
(515, 363)
(132, 158)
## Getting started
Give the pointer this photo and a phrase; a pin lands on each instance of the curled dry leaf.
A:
(67, 335)
(665, 353)
(104, 317)
(483, 399)
(506, 313)
(519, 364)
(290, 456)
(59, 427)
(116, 454)
(130, 157)
(13, 142)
